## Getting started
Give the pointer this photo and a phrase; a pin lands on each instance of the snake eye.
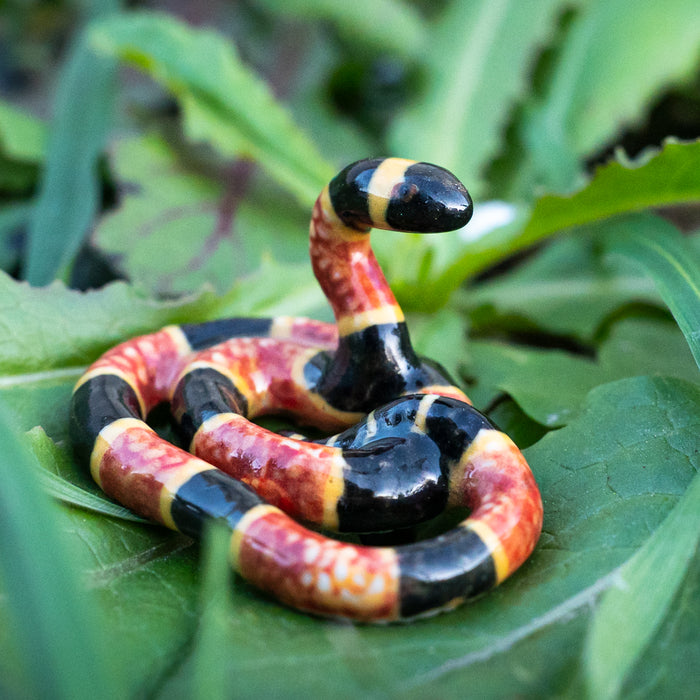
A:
(406, 192)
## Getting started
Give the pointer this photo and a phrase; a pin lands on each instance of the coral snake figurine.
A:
(407, 444)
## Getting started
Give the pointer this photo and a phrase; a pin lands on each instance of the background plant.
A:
(169, 168)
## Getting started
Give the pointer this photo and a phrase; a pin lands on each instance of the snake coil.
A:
(407, 442)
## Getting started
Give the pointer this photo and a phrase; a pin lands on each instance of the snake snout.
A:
(430, 199)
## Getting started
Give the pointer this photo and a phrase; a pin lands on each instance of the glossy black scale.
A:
(370, 367)
(211, 495)
(97, 403)
(397, 475)
(429, 199)
(205, 335)
(200, 394)
(436, 572)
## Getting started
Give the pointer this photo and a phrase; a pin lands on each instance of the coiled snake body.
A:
(408, 444)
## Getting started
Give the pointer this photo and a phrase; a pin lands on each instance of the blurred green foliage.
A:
(164, 156)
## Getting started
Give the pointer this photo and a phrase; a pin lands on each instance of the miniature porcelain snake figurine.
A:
(407, 442)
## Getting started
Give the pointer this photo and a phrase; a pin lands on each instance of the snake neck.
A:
(375, 360)
(374, 352)
(348, 272)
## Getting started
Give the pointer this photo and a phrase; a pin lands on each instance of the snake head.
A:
(401, 195)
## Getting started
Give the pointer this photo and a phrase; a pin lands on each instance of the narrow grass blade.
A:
(209, 674)
(55, 627)
(670, 261)
(69, 194)
(73, 495)
(630, 613)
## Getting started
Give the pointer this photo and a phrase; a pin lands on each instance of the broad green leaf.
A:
(40, 397)
(388, 25)
(442, 337)
(22, 136)
(629, 80)
(630, 613)
(513, 421)
(51, 334)
(225, 104)
(620, 454)
(277, 290)
(608, 480)
(656, 179)
(54, 328)
(569, 288)
(673, 264)
(601, 83)
(70, 191)
(478, 56)
(213, 232)
(424, 270)
(550, 385)
(54, 623)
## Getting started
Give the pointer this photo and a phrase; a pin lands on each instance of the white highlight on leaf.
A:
(48, 375)
(486, 218)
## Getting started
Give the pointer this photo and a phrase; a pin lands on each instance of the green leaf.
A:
(656, 179)
(442, 337)
(277, 290)
(13, 218)
(209, 661)
(630, 613)
(54, 462)
(388, 25)
(672, 263)
(663, 668)
(568, 288)
(22, 148)
(225, 104)
(70, 191)
(144, 581)
(51, 334)
(550, 385)
(54, 328)
(52, 617)
(425, 270)
(603, 499)
(213, 235)
(477, 60)
(40, 398)
(601, 83)
(22, 136)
